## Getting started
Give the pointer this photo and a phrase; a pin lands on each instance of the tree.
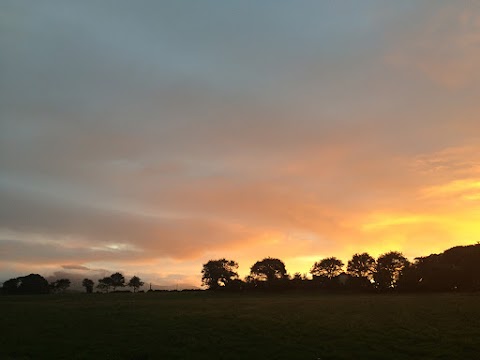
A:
(118, 280)
(251, 282)
(30, 284)
(63, 284)
(11, 286)
(361, 265)
(297, 277)
(463, 266)
(410, 278)
(329, 268)
(298, 281)
(219, 273)
(60, 285)
(33, 284)
(88, 285)
(135, 283)
(456, 269)
(269, 269)
(105, 284)
(235, 285)
(388, 269)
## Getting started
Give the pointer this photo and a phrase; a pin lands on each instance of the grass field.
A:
(202, 325)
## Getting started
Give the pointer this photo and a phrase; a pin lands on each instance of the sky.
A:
(149, 137)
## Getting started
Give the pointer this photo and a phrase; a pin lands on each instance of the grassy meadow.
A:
(202, 325)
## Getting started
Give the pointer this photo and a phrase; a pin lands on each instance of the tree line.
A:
(456, 269)
(37, 284)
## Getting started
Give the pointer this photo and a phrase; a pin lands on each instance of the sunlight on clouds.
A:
(418, 234)
(117, 248)
(472, 197)
(388, 220)
(457, 162)
(468, 189)
(387, 242)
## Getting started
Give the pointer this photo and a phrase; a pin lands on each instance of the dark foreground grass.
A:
(240, 326)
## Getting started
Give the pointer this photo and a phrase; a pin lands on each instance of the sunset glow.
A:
(150, 139)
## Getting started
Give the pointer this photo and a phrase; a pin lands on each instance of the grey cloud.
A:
(43, 253)
(97, 233)
(91, 86)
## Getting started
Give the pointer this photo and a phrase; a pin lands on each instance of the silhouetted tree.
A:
(118, 280)
(88, 285)
(463, 266)
(135, 283)
(456, 269)
(297, 277)
(30, 284)
(219, 273)
(250, 282)
(298, 281)
(430, 273)
(235, 285)
(361, 265)
(11, 286)
(388, 269)
(60, 285)
(358, 283)
(269, 269)
(410, 278)
(105, 284)
(329, 268)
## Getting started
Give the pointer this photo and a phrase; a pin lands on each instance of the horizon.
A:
(97, 274)
(148, 139)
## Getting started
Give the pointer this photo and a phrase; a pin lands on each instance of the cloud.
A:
(87, 232)
(446, 49)
(75, 267)
(153, 138)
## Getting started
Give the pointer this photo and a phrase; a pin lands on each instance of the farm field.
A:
(203, 325)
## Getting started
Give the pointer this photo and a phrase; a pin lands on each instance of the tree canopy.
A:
(105, 284)
(118, 280)
(135, 283)
(88, 285)
(388, 269)
(269, 269)
(329, 267)
(30, 284)
(361, 265)
(219, 273)
(60, 285)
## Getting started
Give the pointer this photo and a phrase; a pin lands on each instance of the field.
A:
(202, 325)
